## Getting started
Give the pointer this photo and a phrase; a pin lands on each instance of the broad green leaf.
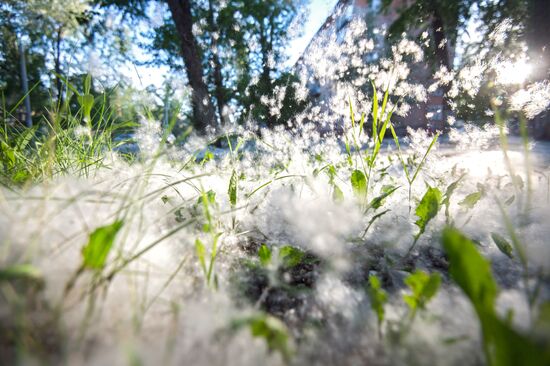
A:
(378, 297)
(87, 83)
(95, 253)
(274, 333)
(503, 244)
(503, 345)
(470, 200)
(264, 253)
(424, 286)
(211, 196)
(507, 347)
(359, 183)
(427, 208)
(543, 318)
(291, 256)
(271, 329)
(518, 245)
(470, 270)
(232, 189)
(86, 102)
(8, 152)
(337, 194)
(20, 271)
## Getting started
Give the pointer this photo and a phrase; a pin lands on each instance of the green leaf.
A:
(379, 201)
(359, 183)
(372, 220)
(232, 189)
(271, 329)
(450, 190)
(8, 152)
(361, 123)
(427, 208)
(470, 270)
(86, 102)
(419, 167)
(208, 155)
(213, 256)
(20, 271)
(200, 250)
(207, 199)
(424, 286)
(543, 319)
(265, 255)
(374, 111)
(470, 200)
(87, 83)
(447, 198)
(291, 256)
(211, 197)
(95, 253)
(503, 244)
(378, 297)
(337, 194)
(348, 151)
(503, 345)
(331, 172)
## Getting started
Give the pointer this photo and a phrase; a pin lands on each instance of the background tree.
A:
(59, 37)
(538, 41)
(203, 111)
(242, 46)
(442, 18)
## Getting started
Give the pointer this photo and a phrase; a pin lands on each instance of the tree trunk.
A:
(203, 111)
(538, 40)
(442, 56)
(57, 67)
(219, 93)
(25, 85)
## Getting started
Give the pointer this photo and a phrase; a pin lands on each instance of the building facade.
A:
(430, 113)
